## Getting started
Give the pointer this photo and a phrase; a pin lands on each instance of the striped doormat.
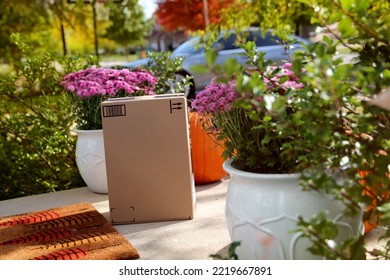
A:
(65, 233)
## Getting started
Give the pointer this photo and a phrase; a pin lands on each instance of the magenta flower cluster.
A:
(216, 97)
(219, 97)
(273, 82)
(109, 82)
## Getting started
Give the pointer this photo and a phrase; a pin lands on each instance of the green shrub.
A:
(165, 68)
(36, 146)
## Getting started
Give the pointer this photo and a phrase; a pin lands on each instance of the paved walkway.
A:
(193, 239)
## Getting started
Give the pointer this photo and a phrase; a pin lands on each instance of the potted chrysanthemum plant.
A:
(288, 147)
(87, 89)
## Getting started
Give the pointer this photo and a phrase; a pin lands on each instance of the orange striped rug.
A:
(65, 233)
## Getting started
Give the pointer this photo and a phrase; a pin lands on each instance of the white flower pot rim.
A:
(234, 171)
(86, 130)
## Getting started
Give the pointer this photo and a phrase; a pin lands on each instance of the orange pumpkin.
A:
(206, 154)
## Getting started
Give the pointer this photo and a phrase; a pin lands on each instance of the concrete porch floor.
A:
(193, 239)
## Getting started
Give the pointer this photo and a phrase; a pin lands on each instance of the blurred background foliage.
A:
(68, 27)
(40, 42)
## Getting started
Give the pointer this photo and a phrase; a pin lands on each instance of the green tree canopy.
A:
(40, 23)
(128, 25)
(27, 17)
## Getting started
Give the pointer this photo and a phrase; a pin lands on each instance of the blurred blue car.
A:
(226, 47)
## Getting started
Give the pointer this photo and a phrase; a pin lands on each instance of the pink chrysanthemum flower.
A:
(91, 86)
(109, 82)
(216, 97)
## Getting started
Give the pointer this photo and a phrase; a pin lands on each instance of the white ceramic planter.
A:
(90, 159)
(262, 209)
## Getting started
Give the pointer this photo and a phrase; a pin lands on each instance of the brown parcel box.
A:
(148, 159)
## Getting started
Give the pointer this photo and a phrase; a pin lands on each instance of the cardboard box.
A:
(148, 159)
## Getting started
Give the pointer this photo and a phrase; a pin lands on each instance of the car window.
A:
(263, 41)
(232, 42)
(188, 47)
(228, 43)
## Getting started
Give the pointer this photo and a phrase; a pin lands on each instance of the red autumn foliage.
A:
(188, 14)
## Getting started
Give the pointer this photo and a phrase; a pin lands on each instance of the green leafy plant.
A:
(244, 111)
(165, 68)
(36, 147)
(231, 252)
(329, 129)
(321, 232)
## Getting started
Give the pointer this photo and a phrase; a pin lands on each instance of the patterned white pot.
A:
(90, 159)
(262, 210)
